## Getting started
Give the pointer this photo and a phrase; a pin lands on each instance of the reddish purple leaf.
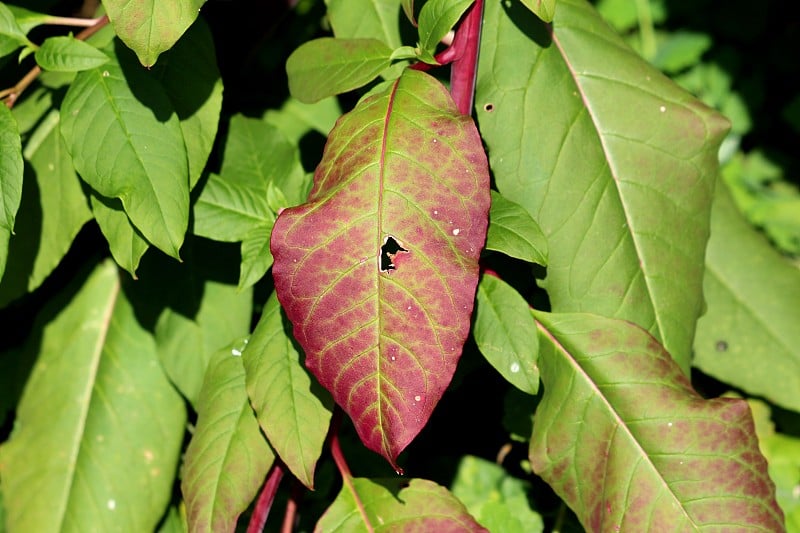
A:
(377, 272)
(622, 437)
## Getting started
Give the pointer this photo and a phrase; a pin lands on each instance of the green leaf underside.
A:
(150, 27)
(514, 232)
(102, 452)
(327, 66)
(438, 17)
(621, 436)
(544, 9)
(397, 505)
(403, 164)
(67, 54)
(749, 334)
(293, 410)
(622, 194)
(227, 458)
(11, 170)
(506, 333)
(128, 150)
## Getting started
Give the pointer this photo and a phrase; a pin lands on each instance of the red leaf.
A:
(403, 181)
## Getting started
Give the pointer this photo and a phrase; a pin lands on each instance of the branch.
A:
(265, 499)
(464, 69)
(12, 94)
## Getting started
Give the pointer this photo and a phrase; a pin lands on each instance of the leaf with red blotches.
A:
(622, 437)
(377, 272)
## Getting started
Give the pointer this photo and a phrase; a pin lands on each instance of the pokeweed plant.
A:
(583, 159)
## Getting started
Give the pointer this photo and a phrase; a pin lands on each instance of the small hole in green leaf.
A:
(488, 108)
(722, 346)
(389, 250)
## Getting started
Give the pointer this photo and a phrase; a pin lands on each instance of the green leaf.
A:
(130, 149)
(11, 170)
(408, 9)
(622, 437)
(27, 19)
(227, 458)
(193, 84)
(150, 27)
(396, 505)
(324, 67)
(514, 232)
(681, 50)
(622, 193)
(749, 337)
(292, 409)
(544, 9)
(295, 119)
(67, 54)
(126, 243)
(99, 427)
(256, 257)
(438, 17)
(506, 333)
(496, 499)
(52, 212)
(11, 35)
(377, 271)
(366, 19)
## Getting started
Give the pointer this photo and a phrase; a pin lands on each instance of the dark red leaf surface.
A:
(403, 181)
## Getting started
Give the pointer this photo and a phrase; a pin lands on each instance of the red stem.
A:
(464, 69)
(265, 499)
(290, 516)
(344, 470)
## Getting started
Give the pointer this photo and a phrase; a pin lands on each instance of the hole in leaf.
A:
(722, 346)
(389, 250)
(488, 108)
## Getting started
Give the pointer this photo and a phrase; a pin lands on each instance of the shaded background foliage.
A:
(735, 59)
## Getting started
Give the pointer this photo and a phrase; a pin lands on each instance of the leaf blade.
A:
(514, 232)
(68, 54)
(11, 170)
(436, 18)
(400, 374)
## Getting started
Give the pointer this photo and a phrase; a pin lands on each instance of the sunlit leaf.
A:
(126, 244)
(396, 505)
(11, 171)
(438, 17)
(514, 232)
(296, 119)
(99, 427)
(325, 67)
(614, 161)
(228, 457)
(11, 35)
(293, 410)
(622, 437)
(377, 272)
(256, 256)
(505, 333)
(366, 19)
(67, 54)
(544, 9)
(128, 149)
(749, 336)
(150, 27)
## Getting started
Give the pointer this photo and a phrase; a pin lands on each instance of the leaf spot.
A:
(488, 108)
(663, 109)
(105, 75)
(111, 504)
(514, 368)
(456, 231)
(722, 346)
(417, 398)
(669, 424)
(391, 247)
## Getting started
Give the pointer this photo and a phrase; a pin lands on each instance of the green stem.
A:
(647, 32)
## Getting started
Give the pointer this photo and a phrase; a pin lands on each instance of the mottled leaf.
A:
(150, 27)
(514, 232)
(129, 149)
(496, 499)
(505, 333)
(324, 67)
(99, 427)
(228, 457)
(749, 336)
(622, 437)
(614, 161)
(293, 410)
(377, 272)
(68, 54)
(544, 9)
(11, 171)
(397, 505)
(438, 17)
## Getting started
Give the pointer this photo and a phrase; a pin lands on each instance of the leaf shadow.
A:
(528, 23)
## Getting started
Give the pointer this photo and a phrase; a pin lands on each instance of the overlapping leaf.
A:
(227, 458)
(615, 163)
(10, 180)
(436, 18)
(383, 327)
(749, 336)
(513, 232)
(294, 411)
(130, 149)
(68, 54)
(99, 427)
(544, 9)
(625, 441)
(396, 505)
(151, 27)
(366, 19)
